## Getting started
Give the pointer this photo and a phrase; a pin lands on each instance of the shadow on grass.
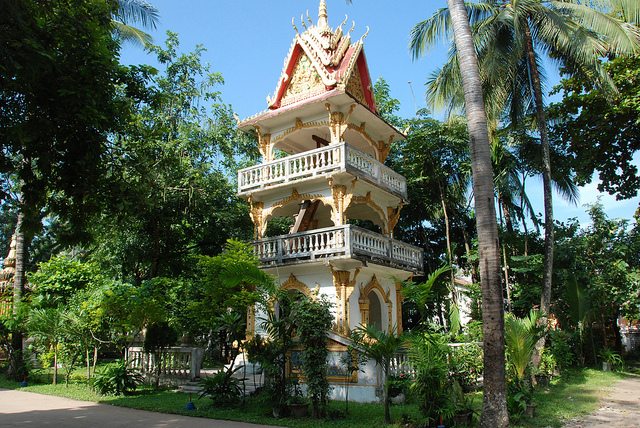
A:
(577, 393)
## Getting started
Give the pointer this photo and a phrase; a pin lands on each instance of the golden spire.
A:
(322, 15)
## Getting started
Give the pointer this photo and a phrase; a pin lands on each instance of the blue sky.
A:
(247, 42)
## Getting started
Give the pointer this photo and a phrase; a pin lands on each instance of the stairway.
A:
(304, 218)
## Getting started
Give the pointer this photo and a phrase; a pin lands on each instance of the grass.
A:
(255, 411)
(577, 393)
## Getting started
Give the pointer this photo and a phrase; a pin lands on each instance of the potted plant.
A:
(463, 406)
(546, 368)
(298, 403)
(611, 360)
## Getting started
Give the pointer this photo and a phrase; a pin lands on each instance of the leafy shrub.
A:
(222, 388)
(312, 320)
(613, 358)
(548, 364)
(399, 384)
(561, 347)
(117, 379)
(466, 365)
(431, 385)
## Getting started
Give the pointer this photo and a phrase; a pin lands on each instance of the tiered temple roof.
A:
(322, 63)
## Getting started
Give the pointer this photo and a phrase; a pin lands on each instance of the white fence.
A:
(177, 361)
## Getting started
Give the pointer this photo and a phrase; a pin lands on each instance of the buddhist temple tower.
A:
(323, 183)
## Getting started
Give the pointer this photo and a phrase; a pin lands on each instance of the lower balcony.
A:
(346, 241)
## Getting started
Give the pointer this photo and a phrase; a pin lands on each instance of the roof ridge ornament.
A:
(323, 19)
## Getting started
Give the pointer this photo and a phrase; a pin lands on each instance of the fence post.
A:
(196, 358)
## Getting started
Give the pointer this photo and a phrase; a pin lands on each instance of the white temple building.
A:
(323, 147)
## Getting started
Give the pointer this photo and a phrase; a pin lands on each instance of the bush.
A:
(117, 379)
(466, 365)
(560, 347)
(312, 320)
(222, 388)
(431, 386)
(399, 384)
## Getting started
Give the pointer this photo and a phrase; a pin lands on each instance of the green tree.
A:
(600, 132)
(134, 11)
(494, 407)
(511, 37)
(48, 326)
(59, 279)
(57, 91)
(171, 198)
(313, 319)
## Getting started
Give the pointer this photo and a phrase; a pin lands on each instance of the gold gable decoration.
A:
(354, 86)
(304, 82)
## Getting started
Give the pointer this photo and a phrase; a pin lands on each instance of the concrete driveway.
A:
(26, 409)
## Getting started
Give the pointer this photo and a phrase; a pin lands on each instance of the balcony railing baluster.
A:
(317, 162)
(339, 241)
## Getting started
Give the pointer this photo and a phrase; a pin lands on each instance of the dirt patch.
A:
(620, 409)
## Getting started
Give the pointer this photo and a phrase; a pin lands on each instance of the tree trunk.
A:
(88, 365)
(385, 396)
(452, 273)
(17, 364)
(55, 363)
(547, 274)
(494, 409)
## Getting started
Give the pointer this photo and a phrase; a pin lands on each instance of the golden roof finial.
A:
(322, 15)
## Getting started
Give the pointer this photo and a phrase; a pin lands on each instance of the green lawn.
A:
(577, 393)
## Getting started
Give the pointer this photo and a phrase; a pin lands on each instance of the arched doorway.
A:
(375, 310)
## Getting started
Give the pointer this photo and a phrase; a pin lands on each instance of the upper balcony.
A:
(317, 163)
(346, 241)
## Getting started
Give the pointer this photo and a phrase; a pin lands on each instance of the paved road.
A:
(26, 409)
(619, 409)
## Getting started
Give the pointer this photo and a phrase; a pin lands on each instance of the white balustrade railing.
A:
(177, 361)
(347, 240)
(338, 157)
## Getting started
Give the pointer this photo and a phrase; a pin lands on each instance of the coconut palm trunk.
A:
(494, 409)
(17, 362)
(547, 274)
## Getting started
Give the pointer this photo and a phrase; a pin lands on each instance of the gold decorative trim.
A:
(295, 196)
(363, 301)
(393, 215)
(251, 323)
(399, 300)
(293, 283)
(299, 125)
(344, 288)
(256, 212)
(265, 146)
(368, 200)
(338, 122)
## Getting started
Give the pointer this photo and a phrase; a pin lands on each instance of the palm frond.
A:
(137, 11)
(131, 34)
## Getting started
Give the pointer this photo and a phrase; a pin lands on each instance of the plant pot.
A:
(606, 367)
(278, 412)
(463, 418)
(299, 410)
(530, 411)
(542, 380)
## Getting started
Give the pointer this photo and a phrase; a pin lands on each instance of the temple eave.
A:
(316, 105)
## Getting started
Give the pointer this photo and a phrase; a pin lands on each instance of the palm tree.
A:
(49, 326)
(380, 347)
(511, 38)
(494, 412)
(134, 11)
